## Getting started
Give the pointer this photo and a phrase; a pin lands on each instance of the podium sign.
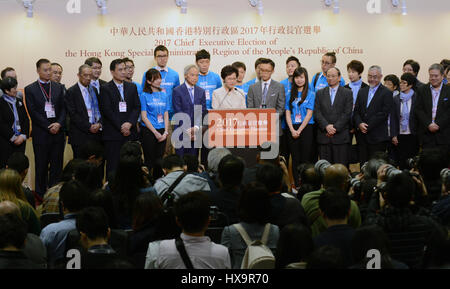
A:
(241, 127)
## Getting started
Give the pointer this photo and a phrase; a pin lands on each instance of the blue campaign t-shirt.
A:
(139, 87)
(209, 83)
(287, 93)
(156, 103)
(170, 80)
(307, 104)
(322, 82)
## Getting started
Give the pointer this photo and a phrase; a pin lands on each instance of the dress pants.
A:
(301, 149)
(112, 154)
(408, 147)
(153, 151)
(45, 155)
(366, 150)
(334, 153)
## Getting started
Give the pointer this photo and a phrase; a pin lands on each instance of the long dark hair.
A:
(151, 75)
(294, 90)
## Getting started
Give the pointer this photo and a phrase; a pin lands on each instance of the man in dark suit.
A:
(82, 107)
(190, 100)
(96, 66)
(267, 93)
(332, 112)
(433, 110)
(372, 108)
(120, 108)
(45, 104)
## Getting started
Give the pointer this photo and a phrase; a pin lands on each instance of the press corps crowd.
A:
(163, 207)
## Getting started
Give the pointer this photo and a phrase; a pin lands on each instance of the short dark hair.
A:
(73, 195)
(414, 64)
(93, 221)
(295, 244)
(326, 257)
(399, 190)
(192, 211)
(293, 58)
(104, 199)
(89, 175)
(231, 171)
(151, 75)
(131, 148)
(238, 65)
(126, 59)
(409, 78)
(445, 63)
(356, 65)
(8, 83)
(18, 161)
(254, 204)
(191, 161)
(91, 60)
(202, 54)
(115, 62)
(91, 148)
(228, 70)
(6, 70)
(172, 161)
(160, 48)
(13, 231)
(367, 238)
(332, 55)
(271, 176)
(334, 203)
(41, 61)
(69, 170)
(258, 61)
(268, 61)
(57, 64)
(147, 207)
(392, 78)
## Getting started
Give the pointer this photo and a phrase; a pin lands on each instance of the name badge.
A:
(208, 97)
(48, 106)
(122, 106)
(89, 113)
(51, 113)
(160, 118)
(298, 118)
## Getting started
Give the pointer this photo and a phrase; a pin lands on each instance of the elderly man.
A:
(184, 99)
(372, 108)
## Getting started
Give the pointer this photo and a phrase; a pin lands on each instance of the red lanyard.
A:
(49, 95)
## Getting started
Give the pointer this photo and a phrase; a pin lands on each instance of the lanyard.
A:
(48, 97)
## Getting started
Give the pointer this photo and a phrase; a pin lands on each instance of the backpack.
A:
(257, 255)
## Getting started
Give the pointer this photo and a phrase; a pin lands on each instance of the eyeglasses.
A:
(325, 63)
(162, 56)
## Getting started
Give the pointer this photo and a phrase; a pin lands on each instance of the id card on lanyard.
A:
(49, 108)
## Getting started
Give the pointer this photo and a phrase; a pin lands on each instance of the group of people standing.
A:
(319, 115)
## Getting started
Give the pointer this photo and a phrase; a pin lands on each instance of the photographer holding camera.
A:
(390, 208)
(441, 208)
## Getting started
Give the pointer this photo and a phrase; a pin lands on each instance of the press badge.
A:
(208, 97)
(160, 118)
(49, 110)
(122, 106)
(298, 118)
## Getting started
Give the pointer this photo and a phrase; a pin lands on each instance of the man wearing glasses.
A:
(319, 80)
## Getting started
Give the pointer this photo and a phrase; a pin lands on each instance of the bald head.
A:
(8, 207)
(336, 176)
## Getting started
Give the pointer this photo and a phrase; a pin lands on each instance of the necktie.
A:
(120, 86)
(332, 94)
(96, 84)
(191, 93)
(91, 105)
(264, 94)
(371, 94)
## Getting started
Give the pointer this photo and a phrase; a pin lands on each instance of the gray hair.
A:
(378, 68)
(437, 66)
(189, 67)
(214, 158)
(80, 69)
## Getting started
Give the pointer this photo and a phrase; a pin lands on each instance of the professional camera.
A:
(444, 174)
(321, 166)
(370, 168)
(412, 162)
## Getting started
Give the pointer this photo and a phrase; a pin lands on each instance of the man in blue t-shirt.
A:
(328, 61)
(170, 78)
(207, 80)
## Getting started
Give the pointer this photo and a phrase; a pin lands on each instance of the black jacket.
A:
(395, 116)
(16, 260)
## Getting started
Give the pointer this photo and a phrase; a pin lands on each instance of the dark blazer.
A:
(181, 101)
(338, 114)
(35, 101)
(79, 120)
(395, 116)
(363, 85)
(375, 116)
(109, 108)
(424, 108)
(6, 130)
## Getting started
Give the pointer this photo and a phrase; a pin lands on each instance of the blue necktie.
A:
(120, 86)
(191, 93)
(332, 94)
(371, 94)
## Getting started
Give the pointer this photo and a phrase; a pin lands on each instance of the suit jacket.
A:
(424, 106)
(181, 102)
(35, 102)
(79, 120)
(375, 116)
(395, 116)
(113, 119)
(275, 98)
(363, 84)
(338, 114)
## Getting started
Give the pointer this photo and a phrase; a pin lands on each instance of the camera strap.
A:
(182, 250)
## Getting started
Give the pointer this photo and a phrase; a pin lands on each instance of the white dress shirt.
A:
(228, 99)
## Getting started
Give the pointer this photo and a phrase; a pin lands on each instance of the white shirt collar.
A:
(188, 86)
(268, 83)
(43, 82)
(166, 69)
